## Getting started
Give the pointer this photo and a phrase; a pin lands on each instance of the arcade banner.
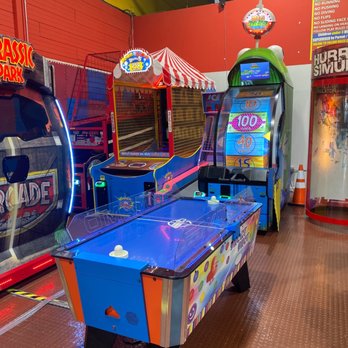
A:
(329, 22)
(30, 202)
(15, 57)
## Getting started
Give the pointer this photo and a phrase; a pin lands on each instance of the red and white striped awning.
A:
(177, 72)
(168, 69)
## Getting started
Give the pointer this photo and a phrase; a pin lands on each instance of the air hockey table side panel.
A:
(67, 273)
(180, 304)
(111, 294)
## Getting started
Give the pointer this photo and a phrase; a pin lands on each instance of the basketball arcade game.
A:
(35, 164)
(253, 134)
(158, 126)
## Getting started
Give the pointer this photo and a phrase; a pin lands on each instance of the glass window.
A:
(16, 168)
(22, 117)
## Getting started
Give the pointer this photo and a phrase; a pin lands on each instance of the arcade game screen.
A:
(247, 120)
(254, 71)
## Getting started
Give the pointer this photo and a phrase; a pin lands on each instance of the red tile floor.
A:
(298, 298)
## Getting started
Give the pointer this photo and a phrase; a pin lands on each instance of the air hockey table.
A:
(152, 274)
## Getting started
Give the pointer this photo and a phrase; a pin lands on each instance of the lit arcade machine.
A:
(35, 164)
(253, 133)
(157, 123)
(327, 194)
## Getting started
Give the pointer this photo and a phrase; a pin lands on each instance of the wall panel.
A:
(210, 39)
(7, 20)
(69, 30)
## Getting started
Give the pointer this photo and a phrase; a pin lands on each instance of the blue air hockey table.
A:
(150, 272)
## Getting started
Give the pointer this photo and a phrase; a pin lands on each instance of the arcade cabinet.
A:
(253, 133)
(327, 194)
(35, 164)
(158, 126)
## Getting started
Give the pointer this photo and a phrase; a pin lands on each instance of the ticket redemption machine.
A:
(35, 164)
(253, 134)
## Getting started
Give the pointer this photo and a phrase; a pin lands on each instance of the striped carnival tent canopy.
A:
(177, 72)
(168, 69)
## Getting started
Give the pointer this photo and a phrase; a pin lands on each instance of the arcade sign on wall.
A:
(330, 61)
(258, 21)
(136, 60)
(15, 57)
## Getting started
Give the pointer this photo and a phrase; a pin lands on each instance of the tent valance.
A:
(168, 69)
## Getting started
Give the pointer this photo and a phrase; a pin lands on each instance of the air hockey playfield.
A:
(150, 269)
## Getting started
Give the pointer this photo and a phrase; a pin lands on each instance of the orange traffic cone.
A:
(299, 197)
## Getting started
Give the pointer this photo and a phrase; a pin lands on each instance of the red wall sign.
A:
(15, 57)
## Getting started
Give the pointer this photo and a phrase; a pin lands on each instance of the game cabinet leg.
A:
(241, 279)
(99, 338)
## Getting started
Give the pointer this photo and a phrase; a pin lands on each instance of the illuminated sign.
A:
(247, 122)
(258, 21)
(136, 60)
(15, 57)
